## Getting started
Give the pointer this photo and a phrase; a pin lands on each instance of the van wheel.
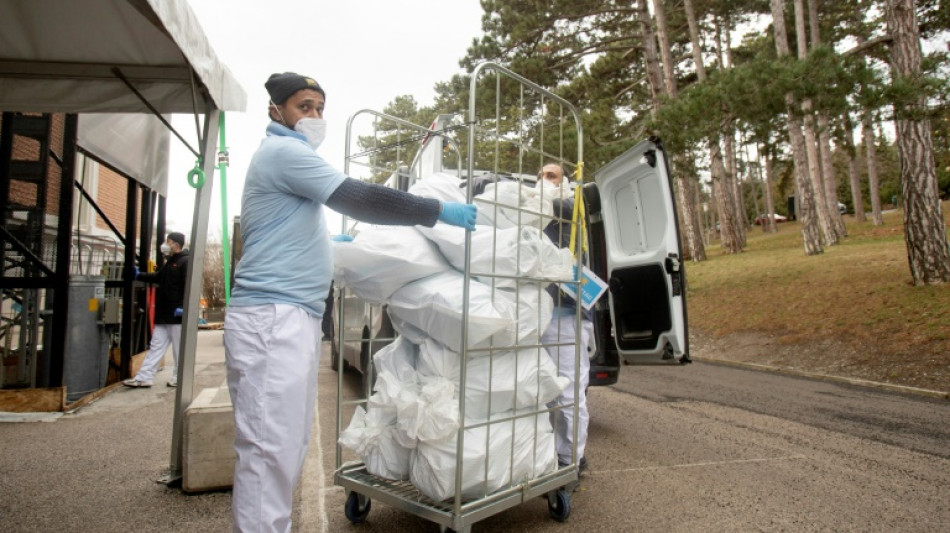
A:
(366, 361)
(334, 357)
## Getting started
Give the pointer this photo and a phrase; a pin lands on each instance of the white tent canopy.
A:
(70, 57)
(124, 56)
(136, 144)
(58, 56)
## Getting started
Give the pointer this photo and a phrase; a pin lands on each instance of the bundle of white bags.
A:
(411, 423)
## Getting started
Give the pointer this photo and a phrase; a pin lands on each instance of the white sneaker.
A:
(172, 383)
(136, 383)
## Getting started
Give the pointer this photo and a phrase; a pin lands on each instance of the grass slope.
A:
(856, 300)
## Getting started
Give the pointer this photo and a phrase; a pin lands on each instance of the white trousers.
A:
(562, 331)
(162, 336)
(272, 354)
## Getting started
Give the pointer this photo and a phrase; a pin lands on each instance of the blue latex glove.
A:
(179, 311)
(136, 276)
(458, 214)
(341, 238)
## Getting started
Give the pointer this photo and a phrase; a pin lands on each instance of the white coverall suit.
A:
(562, 332)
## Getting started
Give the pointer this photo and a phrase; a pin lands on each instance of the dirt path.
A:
(924, 369)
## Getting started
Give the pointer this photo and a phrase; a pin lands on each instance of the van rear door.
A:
(642, 256)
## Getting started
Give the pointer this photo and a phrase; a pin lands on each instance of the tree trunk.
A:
(753, 181)
(727, 223)
(650, 56)
(666, 52)
(855, 176)
(924, 228)
(692, 229)
(814, 172)
(874, 184)
(728, 139)
(805, 197)
(769, 199)
(691, 236)
(811, 138)
(870, 149)
(824, 140)
(732, 179)
(828, 172)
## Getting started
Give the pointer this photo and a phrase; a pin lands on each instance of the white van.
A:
(633, 246)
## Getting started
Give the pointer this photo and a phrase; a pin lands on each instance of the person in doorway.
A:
(169, 302)
(562, 333)
(281, 284)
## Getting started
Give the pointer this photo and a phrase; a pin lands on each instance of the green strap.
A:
(223, 160)
(196, 176)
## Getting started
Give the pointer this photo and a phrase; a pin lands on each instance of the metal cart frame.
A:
(536, 106)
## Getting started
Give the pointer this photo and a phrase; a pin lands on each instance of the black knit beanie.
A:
(177, 237)
(280, 87)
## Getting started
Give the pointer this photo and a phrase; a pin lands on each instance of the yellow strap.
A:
(577, 220)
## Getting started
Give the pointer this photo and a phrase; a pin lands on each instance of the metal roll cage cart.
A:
(512, 129)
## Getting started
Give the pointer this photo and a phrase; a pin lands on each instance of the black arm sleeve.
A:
(150, 277)
(377, 204)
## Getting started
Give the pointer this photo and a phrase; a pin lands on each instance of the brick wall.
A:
(111, 198)
(28, 149)
(111, 194)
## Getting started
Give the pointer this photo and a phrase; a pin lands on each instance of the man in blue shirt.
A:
(281, 285)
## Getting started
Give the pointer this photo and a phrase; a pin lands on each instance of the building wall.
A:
(28, 149)
(110, 191)
(111, 198)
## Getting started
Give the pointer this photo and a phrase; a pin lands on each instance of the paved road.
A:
(717, 448)
(696, 448)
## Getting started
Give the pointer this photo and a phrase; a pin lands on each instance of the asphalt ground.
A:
(669, 451)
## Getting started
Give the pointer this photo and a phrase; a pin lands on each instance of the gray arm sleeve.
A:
(377, 204)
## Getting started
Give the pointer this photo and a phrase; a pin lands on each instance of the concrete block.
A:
(208, 442)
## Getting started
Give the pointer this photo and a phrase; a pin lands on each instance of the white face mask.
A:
(314, 129)
(165, 248)
(563, 189)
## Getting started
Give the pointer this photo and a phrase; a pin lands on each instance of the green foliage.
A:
(934, 17)
(590, 53)
(393, 144)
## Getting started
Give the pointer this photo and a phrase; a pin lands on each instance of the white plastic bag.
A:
(427, 412)
(496, 383)
(528, 309)
(500, 203)
(524, 251)
(441, 186)
(407, 330)
(434, 305)
(516, 451)
(381, 259)
(397, 358)
(371, 435)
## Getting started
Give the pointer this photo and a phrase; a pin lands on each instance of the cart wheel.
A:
(559, 505)
(357, 507)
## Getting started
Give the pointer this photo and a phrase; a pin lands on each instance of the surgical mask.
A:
(563, 189)
(314, 129)
(165, 248)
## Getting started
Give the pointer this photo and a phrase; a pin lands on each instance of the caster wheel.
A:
(357, 507)
(559, 504)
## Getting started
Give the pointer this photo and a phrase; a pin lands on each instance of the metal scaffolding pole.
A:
(189, 330)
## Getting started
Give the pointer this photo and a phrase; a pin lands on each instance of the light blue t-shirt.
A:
(287, 257)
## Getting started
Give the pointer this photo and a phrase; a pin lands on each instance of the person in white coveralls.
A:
(562, 334)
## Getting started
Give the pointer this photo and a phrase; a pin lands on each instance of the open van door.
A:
(635, 245)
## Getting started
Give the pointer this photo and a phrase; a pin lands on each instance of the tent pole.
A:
(189, 322)
(223, 160)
